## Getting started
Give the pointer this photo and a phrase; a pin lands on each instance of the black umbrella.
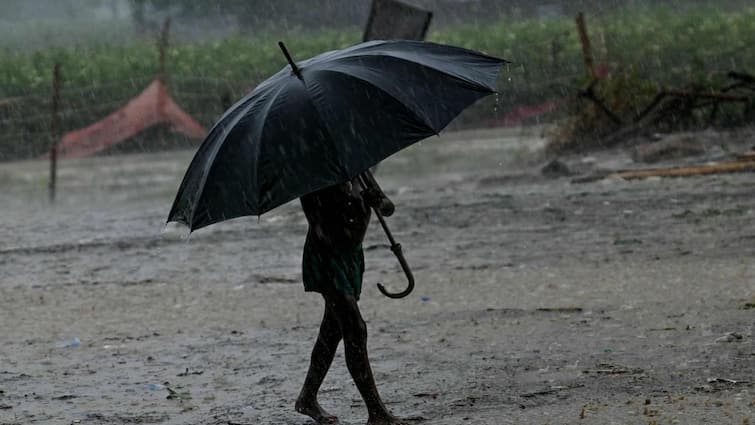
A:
(324, 121)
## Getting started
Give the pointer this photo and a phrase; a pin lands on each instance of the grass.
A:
(648, 48)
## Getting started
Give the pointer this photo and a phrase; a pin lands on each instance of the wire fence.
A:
(26, 121)
(546, 66)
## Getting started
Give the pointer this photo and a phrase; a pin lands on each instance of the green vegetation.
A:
(647, 48)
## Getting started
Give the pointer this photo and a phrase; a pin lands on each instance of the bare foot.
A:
(314, 411)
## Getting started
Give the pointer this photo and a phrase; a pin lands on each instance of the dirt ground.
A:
(538, 300)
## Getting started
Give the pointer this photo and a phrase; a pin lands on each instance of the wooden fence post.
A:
(586, 49)
(162, 45)
(54, 131)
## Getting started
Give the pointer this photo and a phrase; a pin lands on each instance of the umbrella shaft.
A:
(388, 233)
(291, 62)
(385, 226)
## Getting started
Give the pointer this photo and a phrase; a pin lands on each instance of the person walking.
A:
(333, 265)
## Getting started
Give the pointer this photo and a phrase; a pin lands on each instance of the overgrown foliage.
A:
(644, 48)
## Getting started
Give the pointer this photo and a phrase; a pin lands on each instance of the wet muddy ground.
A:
(538, 300)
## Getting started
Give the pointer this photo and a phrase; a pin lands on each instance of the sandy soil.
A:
(538, 301)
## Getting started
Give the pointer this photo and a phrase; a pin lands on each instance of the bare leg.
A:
(354, 333)
(322, 357)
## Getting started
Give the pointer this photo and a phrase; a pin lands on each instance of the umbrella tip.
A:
(175, 230)
(291, 62)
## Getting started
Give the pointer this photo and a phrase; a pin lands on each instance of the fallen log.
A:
(738, 166)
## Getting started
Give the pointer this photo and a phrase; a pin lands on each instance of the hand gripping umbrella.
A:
(326, 120)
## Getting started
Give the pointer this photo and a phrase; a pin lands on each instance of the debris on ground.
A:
(74, 342)
(606, 114)
(730, 337)
(725, 381)
(674, 146)
(555, 168)
(187, 373)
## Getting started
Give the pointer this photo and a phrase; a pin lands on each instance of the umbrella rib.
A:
(217, 149)
(259, 137)
(190, 219)
(416, 43)
(319, 116)
(416, 63)
(246, 98)
(420, 119)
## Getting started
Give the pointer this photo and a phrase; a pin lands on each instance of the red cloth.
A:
(153, 106)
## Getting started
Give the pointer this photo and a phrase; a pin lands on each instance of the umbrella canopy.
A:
(325, 120)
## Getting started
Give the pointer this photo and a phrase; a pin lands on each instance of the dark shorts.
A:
(325, 270)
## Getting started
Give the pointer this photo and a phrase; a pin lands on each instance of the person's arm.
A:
(374, 197)
(315, 206)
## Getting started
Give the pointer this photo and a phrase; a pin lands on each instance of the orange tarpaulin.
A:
(153, 106)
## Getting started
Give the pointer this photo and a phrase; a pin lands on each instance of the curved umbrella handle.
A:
(396, 248)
